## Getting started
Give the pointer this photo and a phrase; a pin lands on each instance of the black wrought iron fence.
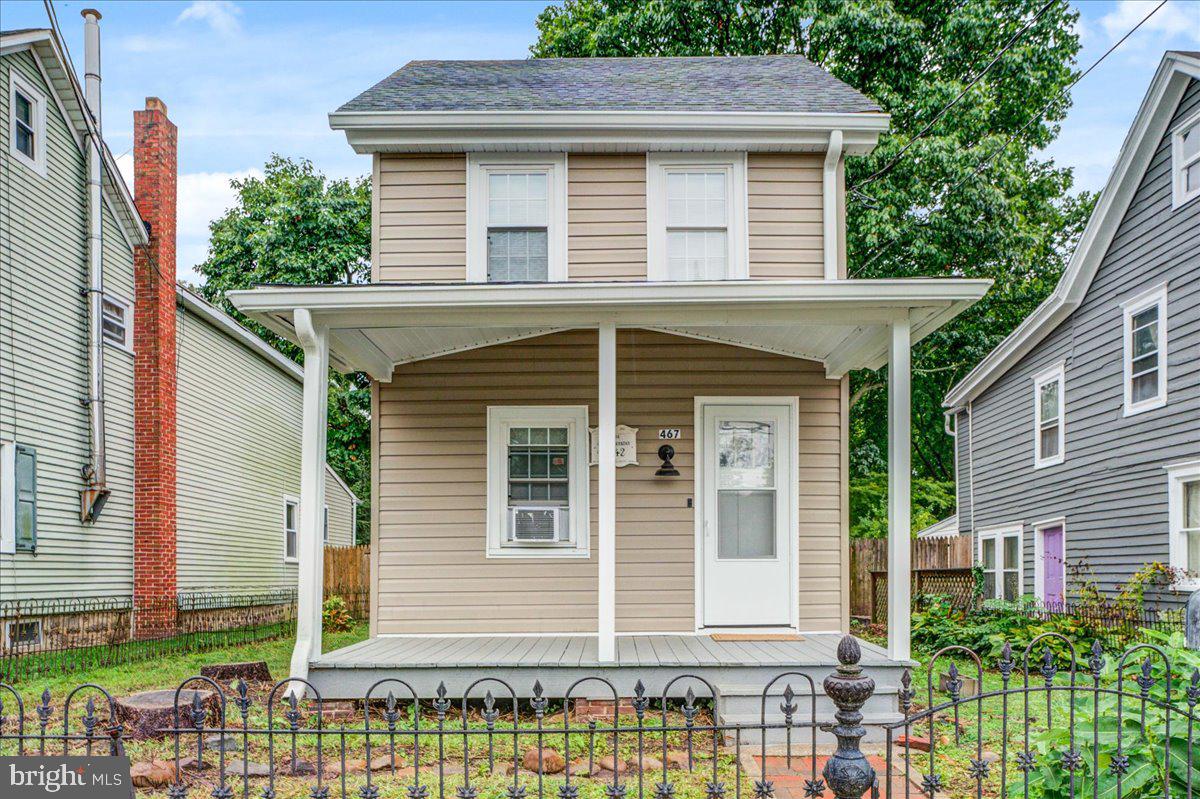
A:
(1053, 726)
(42, 638)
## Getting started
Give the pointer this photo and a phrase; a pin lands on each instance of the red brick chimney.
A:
(155, 171)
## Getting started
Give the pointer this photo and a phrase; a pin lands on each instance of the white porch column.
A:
(606, 627)
(899, 489)
(310, 584)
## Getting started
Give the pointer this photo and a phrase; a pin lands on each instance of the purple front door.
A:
(1053, 566)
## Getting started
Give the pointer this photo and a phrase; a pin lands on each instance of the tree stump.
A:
(145, 715)
(253, 671)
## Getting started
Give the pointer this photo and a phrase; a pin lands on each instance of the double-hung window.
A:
(18, 498)
(537, 481)
(291, 529)
(1183, 511)
(1145, 351)
(27, 134)
(1000, 558)
(696, 216)
(1185, 161)
(116, 322)
(1049, 417)
(516, 218)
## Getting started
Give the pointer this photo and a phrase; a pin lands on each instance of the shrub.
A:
(335, 615)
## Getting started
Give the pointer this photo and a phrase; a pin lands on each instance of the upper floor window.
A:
(1145, 351)
(1185, 161)
(1183, 511)
(27, 110)
(117, 322)
(516, 218)
(1049, 417)
(696, 216)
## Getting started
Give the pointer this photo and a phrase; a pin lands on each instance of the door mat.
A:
(756, 636)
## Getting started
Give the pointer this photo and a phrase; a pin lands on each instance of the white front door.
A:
(747, 514)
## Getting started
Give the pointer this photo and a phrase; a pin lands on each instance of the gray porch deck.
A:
(740, 666)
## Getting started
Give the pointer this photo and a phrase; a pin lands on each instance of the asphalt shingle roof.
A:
(788, 83)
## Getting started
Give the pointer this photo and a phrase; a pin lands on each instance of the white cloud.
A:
(1176, 18)
(220, 15)
(203, 197)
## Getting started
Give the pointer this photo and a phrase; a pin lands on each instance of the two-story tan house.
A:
(609, 330)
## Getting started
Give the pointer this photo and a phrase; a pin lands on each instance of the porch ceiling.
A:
(844, 324)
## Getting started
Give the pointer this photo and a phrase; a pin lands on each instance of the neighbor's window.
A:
(1145, 357)
(27, 108)
(1185, 160)
(1000, 559)
(325, 525)
(1183, 510)
(116, 321)
(291, 529)
(695, 216)
(18, 482)
(537, 481)
(516, 219)
(1049, 417)
(20, 635)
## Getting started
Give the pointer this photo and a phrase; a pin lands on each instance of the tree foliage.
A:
(971, 198)
(294, 226)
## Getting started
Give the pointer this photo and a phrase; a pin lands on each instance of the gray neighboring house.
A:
(1078, 437)
(84, 494)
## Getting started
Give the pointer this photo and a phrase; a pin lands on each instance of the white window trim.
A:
(288, 500)
(324, 525)
(478, 167)
(499, 419)
(1155, 296)
(127, 306)
(999, 533)
(6, 643)
(38, 162)
(657, 165)
(8, 498)
(1039, 528)
(1179, 192)
(1177, 475)
(1056, 373)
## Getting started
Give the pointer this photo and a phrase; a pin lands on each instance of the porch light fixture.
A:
(665, 453)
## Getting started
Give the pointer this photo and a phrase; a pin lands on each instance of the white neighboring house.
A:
(184, 477)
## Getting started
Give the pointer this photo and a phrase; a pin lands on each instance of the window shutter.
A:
(26, 499)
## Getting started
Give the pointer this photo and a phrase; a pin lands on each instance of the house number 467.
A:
(668, 434)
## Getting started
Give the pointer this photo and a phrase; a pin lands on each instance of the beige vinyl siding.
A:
(238, 456)
(784, 215)
(606, 216)
(422, 218)
(43, 362)
(431, 571)
(341, 512)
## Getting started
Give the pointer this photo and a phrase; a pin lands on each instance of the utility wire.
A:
(937, 117)
(984, 162)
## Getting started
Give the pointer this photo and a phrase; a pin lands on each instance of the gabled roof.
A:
(785, 83)
(68, 95)
(946, 528)
(1174, 73)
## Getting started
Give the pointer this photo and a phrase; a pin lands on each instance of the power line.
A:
(984, 162)
(941, 113)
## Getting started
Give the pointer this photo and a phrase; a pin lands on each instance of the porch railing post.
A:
(847, 772)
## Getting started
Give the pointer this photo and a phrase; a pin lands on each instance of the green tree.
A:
(970, 198)
(293, 225)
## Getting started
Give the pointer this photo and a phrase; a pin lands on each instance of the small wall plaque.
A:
(626, 446)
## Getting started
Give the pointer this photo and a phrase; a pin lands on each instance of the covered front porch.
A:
(831, 326)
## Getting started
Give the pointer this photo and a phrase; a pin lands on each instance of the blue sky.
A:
(245, 79)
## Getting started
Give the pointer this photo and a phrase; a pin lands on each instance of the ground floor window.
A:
(1000, 557)
(537, 481)
(1184, 519)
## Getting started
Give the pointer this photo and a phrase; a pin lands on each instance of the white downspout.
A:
(829, 205)
(95, 494)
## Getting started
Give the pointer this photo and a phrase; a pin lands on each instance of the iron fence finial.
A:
(847, 772)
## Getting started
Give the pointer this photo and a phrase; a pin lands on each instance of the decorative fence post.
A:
(1191, 621)
(847, 772)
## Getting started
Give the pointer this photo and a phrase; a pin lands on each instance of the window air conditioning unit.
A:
(537, 524)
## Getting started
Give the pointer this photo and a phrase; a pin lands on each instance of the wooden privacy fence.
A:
(869, 555)
(348, 575)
